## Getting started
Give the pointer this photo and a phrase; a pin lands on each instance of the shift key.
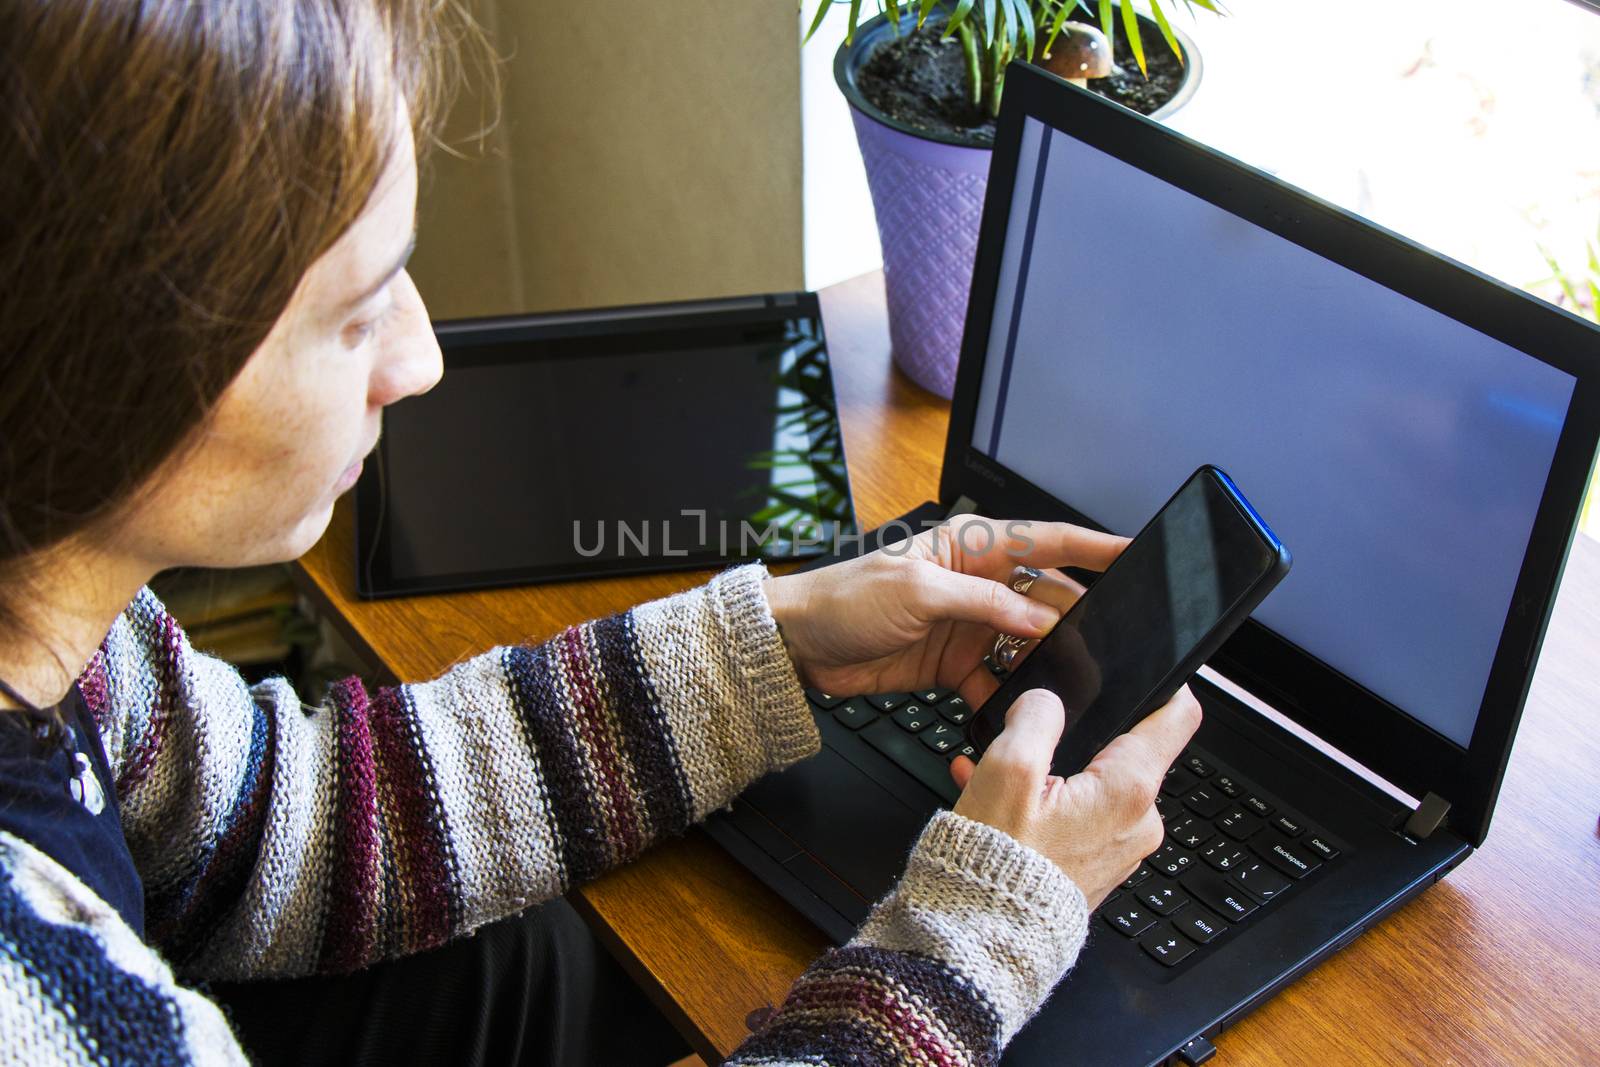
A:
(1214, 892)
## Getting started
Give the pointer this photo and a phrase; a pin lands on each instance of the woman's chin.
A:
(305, 535)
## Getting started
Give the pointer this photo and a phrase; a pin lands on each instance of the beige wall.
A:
(646, 151)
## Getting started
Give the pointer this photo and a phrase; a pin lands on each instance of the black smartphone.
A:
(1164, 606)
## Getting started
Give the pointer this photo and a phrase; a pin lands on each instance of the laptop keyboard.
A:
(921, 732)
(1231, 849)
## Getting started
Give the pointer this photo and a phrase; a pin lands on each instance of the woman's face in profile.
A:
(290, 432)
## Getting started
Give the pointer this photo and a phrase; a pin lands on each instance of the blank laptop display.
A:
(1402, 453)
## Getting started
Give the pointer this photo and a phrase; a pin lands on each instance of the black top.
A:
(37, 806)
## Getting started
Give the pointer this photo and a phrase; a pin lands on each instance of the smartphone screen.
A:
(1168, 601)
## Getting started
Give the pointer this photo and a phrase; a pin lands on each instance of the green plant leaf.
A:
(969, 52)
(1022, 40)
(925, 10)
(822, 13)
(1130, 23)
(1055, 27)
(958, 19)
(1025, 27)
(1561, 277)
(1166, 30)
(988, 22)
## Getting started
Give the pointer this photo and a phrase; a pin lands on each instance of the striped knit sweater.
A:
(276, 839)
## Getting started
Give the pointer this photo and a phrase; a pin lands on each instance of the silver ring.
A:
(1023, 577)
(1005, 650)
(1007, 647)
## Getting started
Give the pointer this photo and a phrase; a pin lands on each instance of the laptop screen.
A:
(1140, 331)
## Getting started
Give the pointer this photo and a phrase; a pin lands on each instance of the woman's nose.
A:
(410, 363)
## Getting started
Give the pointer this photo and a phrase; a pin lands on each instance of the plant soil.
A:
(920, 80)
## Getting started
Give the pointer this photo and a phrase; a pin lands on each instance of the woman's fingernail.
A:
(1042, 615)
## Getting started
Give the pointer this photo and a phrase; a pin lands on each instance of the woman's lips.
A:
(353, 472)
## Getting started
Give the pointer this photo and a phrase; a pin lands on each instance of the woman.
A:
(203, 311)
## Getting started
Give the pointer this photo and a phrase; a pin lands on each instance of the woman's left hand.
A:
(924, 612)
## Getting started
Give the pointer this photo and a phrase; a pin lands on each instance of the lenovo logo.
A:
(973, 464)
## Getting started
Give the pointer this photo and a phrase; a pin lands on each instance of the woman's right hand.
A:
(1098, 825)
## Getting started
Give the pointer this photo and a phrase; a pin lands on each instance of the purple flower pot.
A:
(927, 194)
(928, 199)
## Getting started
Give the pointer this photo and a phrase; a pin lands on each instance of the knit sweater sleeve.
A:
(278, 839)
(947, 967)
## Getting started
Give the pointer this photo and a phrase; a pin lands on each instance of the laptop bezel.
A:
(1335, 707)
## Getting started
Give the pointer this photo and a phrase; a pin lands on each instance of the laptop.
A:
(1418, 434)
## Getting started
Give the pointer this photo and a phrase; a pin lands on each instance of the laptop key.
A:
(941, 738)
(1257, 805)
(1165, 946)
(1131, 917)
(1238, 824)
(1168, 808)
(1178, 781)
(1199, 925)
(931, 696)
(855, 713)
(1137, 878)
(888, 701)
(1228, 787)
(1197, 766)
(825, 701)
(1162, 897)
(1287, 826)
(1260, 881)
(1216, 893)
(1224, 855)
(954, 710)
(1205, 801)
(1171, 860)
(1190, 832)
(1320, 845)
(965, 750)
(908, 753)
(912, 717)
(1286, 855)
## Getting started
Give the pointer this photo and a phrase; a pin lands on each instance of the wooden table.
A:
(1500, 963)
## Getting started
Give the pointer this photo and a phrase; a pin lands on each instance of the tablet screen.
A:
(557, 450)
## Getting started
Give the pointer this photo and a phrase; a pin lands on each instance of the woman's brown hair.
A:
(168, 172)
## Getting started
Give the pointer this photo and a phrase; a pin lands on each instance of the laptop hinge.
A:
(1429, 814)
(964, 505)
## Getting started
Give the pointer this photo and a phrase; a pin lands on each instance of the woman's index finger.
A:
(1061, 544)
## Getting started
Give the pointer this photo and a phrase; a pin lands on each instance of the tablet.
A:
(610, 441)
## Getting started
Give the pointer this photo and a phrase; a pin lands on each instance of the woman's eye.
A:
(360, 332)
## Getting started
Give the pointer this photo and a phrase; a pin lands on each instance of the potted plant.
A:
(924, 79)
